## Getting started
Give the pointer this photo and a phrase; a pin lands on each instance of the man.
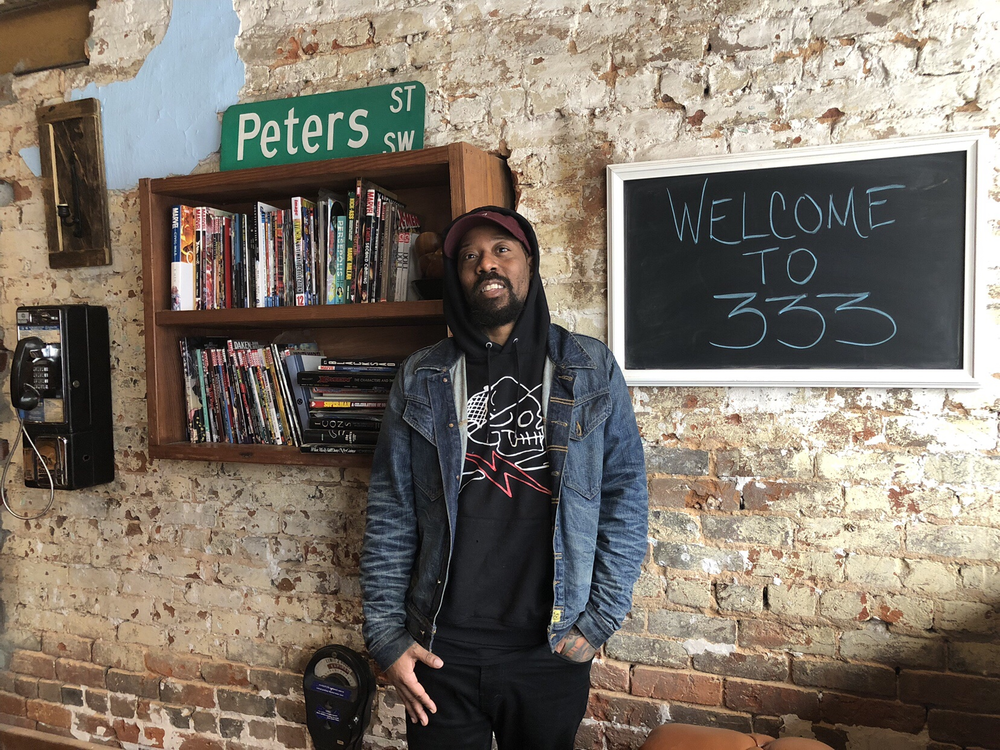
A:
(507, 508)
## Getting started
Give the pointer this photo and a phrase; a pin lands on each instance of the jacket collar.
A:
(564, 351)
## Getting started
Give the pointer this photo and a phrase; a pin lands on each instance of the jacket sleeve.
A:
(390, 543)
(622, 532)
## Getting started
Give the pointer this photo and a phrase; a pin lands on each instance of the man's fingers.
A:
(427, 657)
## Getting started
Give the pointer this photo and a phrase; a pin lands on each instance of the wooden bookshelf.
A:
(437, 184)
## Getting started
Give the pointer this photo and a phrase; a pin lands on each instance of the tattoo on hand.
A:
(576, 647)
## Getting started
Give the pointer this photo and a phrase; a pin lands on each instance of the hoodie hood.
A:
(532, 327)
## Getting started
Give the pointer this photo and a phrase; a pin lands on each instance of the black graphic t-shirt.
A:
(498, 599)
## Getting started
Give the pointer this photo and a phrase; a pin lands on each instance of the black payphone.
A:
(61, 386)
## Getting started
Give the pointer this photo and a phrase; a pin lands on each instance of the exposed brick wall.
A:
(822, 562)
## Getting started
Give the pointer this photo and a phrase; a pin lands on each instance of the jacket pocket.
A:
(585, 457)
(424, 462)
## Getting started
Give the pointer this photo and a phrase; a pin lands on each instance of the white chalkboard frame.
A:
(973, 144)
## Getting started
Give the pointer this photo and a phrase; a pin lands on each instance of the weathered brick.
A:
(974, 658)
(126, 731)
(179, 717)
(65, 646)
(33, 663)
(642, 650)
(50, 691)
(705, 717)
(762, 667)
(204, 723)
(966, 617)
(837, 675)
(619, 709)
(951, 691)
(187, 693)
(674, 685)
(769, 531)
(170, 664)
(13, 705)
(141, 685)
(97, 700)
(200, 743)
(805, 498)
(894, 650)
(843, 534)
(962, 542)
(95, 726)
(123, 706)
(293, 709)
(26, 686)
(261, 730)
(688, 593)
(292, 737)
(778, 636)
(673, 525)
(18, 721)
(71, 696)
(771, 700)
(695, 493)
(696, 557)
(226, 673)
(689, 625)
(49, 713)
(276, 681)
(768, 463)
(80, 673)
(245, 702)
(964, 729)
(678, 461)
(739, 598)
(874, 573)
(792, 600)
(851, 710)
(609, 675)
(231, 728)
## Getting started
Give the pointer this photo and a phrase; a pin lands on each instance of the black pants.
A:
(535, 702)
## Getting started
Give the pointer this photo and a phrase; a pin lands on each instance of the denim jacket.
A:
(598, 483)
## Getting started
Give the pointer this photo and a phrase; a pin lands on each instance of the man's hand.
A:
(401, 675)
(575, 646)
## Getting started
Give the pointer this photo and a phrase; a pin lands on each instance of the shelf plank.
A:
(255, 454)
(417, 313)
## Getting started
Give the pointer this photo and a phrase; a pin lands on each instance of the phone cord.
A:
(6, 466)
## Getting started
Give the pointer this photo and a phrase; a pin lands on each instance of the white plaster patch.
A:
(712, 567)
(166, 119)
(696, 646)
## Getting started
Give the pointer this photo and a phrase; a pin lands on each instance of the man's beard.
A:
(488, 314)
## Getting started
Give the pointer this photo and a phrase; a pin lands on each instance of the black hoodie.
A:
(498, 599)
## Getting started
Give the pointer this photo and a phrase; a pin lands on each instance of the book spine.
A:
(347, 403)
(372, 381)
(340, 437)
(300, 259)
(339, 449)
(287, 396)
(271, 380)
(340, 290)
(344, 423)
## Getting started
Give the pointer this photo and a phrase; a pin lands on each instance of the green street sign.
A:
(374, 120)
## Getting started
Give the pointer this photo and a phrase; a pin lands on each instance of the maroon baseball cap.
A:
(459, 229)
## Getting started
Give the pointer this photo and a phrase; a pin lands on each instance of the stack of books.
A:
(328, 249)
(235, 392)
(346, 400)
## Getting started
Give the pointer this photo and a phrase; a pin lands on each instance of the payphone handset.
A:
(61, 386)
(36, 378)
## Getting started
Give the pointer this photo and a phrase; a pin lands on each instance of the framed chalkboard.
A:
(844, 265)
